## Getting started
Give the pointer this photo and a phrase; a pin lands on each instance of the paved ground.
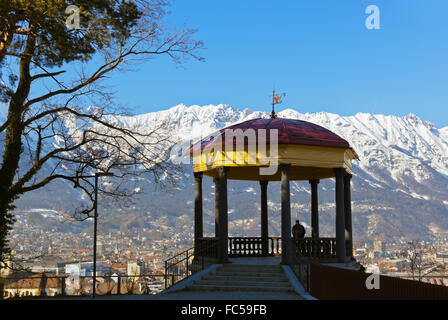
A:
(209, 295)
(185, 295)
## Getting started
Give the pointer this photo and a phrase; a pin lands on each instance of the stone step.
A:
(243, 277)
(246, 277)
(214, 287)
(242, 283)
(250, 274)
(280, 271)
(244, 268)
(251, 267)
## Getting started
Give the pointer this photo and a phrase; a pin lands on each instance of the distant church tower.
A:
(99, 248)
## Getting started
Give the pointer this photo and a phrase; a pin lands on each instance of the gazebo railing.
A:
(275, 246)
(323, 248)
(245, 246)
(253, 246)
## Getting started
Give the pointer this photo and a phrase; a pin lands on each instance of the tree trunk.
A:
(13, 146)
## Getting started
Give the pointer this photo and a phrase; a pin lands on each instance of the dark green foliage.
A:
(102, 22)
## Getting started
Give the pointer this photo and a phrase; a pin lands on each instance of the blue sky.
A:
(319, 52)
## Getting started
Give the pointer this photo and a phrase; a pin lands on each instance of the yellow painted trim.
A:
(296, 155)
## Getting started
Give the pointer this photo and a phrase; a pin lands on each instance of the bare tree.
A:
(415, 259)
(61, 116)
(421, 260)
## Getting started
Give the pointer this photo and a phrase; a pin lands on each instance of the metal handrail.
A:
(181, 266)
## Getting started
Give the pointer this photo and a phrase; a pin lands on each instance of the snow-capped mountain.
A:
(400, 184)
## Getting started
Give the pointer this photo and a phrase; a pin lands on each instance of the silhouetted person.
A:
(298, 231)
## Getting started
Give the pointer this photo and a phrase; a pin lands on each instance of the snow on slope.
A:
(392, 149)
(398, 143)
(444, 133)
(194, 121)
(399, 185)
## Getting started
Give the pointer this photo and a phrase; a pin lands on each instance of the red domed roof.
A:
(290, 131)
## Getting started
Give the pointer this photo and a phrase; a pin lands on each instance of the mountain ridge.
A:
(400, 184)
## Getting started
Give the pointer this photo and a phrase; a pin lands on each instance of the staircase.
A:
(244, 277)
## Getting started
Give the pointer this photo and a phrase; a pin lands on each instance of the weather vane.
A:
(276, 99)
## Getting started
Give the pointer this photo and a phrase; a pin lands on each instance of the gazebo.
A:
(298, 150)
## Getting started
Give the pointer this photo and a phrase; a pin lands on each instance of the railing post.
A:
(118, 285)
(188, 257)
(166, 276)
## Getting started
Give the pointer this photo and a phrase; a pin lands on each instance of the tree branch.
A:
(47, 74)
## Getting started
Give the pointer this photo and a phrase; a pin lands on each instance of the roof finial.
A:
(276, 99)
